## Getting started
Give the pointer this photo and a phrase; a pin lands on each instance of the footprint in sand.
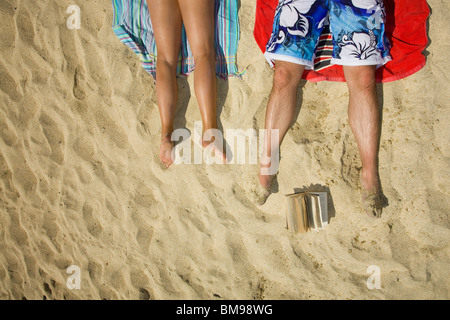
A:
(7, 131)
(94, 226)
(55, 137)
(79, 84)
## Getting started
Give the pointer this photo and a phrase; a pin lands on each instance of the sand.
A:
(81, 183)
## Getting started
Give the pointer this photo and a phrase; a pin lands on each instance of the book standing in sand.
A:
(306, 210)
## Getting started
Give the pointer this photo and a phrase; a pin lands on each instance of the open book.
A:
(306, 210)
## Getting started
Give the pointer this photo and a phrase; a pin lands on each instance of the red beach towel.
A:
(406, 31)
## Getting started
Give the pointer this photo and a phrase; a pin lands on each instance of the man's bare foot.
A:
(265, 180)
(260, 194)
(372, 202)
(372, 195)
(165, 150)
(262, 191)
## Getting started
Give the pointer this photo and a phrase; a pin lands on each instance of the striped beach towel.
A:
(324, 50)
(132, 25)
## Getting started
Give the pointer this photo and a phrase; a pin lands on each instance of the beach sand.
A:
(81, 182)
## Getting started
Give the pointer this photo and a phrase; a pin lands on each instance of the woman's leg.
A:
(166, 23)
(199, 22)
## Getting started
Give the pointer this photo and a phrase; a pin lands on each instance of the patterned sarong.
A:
(132, 24)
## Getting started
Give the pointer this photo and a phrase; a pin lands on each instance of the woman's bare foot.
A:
(165, 150)
(216, 148)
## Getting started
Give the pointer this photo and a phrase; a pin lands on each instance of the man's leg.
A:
(280, 112)
(364, 119)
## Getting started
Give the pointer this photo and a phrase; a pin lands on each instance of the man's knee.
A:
(361, 78)
(287, 76)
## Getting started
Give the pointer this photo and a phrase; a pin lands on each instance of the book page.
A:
(312, 211)
(318, 212)
(296, 218)
(323, 205)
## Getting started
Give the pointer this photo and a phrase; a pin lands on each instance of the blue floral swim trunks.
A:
(357, 28)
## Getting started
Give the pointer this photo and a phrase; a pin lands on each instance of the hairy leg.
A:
(280, 112)
(199, 22)
(166, 23)
(364, 118)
